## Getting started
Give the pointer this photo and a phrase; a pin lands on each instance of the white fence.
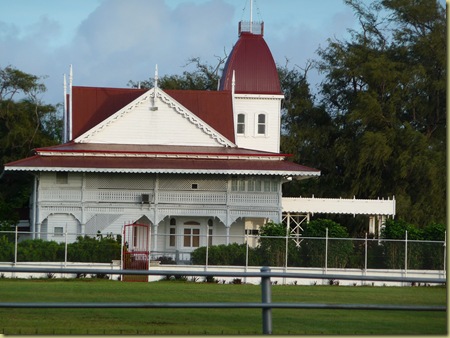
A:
(169, 271)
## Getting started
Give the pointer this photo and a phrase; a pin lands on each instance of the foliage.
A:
(232, 254)
(204, 77)
(272, 244)
(379, 128)
(38, 250)
(313, 250)
(428, 255)
(308, 132)
(25, 124)
(85, 249)
(90, 249)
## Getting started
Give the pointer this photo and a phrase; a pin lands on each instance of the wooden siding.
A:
(141, 125)
(251, 106)
(101, 206)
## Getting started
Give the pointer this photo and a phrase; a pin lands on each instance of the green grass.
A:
(214, 321)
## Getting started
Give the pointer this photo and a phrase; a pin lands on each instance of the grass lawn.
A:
(214, 321)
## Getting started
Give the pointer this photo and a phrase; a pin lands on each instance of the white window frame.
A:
(58, 231)
(241, 124)
(193, 236)
(258, 124)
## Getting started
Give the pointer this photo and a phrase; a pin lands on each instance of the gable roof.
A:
(93, 105)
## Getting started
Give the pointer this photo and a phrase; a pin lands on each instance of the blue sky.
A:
(110, 42)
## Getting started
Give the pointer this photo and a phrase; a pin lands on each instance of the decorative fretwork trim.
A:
(145, 99)
(194, 120)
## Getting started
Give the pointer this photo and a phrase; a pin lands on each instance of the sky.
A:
(110, 42)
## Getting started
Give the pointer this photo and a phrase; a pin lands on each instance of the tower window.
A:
(241, 124)
(261, 124)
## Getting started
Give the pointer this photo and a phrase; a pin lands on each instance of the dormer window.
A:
(261, 124)
(241, 124)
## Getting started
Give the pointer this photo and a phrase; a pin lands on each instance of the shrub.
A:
(394, 251)
(313, 250)
(272, 244)
(232, 254)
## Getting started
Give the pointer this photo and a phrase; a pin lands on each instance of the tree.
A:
(25, 123)
(308, 132)
(385, 91)
(204, 77)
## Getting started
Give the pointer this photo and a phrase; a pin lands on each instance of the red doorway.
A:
(136, 250)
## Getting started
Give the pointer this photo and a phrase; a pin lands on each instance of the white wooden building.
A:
(190, 163)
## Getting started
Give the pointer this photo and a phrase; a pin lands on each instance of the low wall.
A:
(115, 265)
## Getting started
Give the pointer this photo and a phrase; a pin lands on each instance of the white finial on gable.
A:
(65, 110)
(156, 77)
(70, 103)
(155, 90)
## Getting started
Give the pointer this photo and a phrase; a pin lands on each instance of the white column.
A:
(155, 235)
(227, 229)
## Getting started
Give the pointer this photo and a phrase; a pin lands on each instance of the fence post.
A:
(65, 248)
(326, 250)
(365, 256)
(266, 294)
(286, 254)
(445, 250)
(406, 252)
(15, 246)
(207, 245)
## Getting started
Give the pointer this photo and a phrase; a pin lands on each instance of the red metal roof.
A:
(131, 149)
(92, 105)
(162, 165)
(255, 69)
(213, 107)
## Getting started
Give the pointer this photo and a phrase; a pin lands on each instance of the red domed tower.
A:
(251, 74)
(252, 62)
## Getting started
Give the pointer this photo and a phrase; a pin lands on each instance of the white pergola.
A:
(297, 210)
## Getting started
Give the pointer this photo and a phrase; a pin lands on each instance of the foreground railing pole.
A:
(266, 299)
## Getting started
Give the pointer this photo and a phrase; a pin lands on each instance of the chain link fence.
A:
(247, 250)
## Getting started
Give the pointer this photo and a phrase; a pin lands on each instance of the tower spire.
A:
(251, 16)
(251, 26)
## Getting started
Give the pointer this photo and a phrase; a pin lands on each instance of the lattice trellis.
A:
(202, 182)
(294, 222)
(120, 181)
(100, 222)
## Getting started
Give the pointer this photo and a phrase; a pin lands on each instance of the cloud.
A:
(120, 41)
(124, 40)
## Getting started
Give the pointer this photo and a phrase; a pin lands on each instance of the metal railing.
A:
(266, 304)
